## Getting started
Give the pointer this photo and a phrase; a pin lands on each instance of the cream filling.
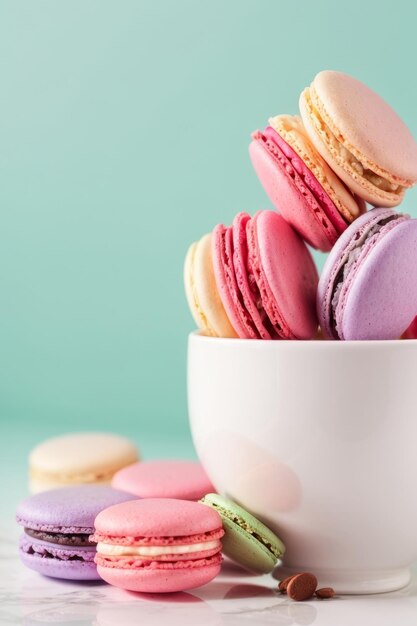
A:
(346, 156)
(109, 549)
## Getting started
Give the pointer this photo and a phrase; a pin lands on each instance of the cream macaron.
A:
(361, 137)
(202, 293)
(79, 458)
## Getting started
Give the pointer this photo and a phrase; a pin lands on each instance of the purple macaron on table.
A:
(57, 527)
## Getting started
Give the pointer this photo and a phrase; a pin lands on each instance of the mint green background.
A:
(124, 134)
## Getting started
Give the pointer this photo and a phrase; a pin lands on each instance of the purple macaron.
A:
(57, 526)
(368, 287)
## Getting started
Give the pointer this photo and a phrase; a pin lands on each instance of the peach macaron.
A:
(360, 136)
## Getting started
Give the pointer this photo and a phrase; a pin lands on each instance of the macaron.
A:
(158, 545)
(411, 332)
(247, 541)
(184, 480)
(57, 527)
(361, 137)
(300, 184)
(266, 277)
(201, 291)
(368, 286)
(78, 458)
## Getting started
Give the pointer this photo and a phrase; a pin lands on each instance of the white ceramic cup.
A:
(319, 440)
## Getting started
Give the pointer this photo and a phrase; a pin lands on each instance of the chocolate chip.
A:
(325, 592)
(302, 586)
(283, 584)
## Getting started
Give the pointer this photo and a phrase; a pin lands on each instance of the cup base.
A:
(354, 582)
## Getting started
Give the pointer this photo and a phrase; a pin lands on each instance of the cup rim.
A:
(313, 344)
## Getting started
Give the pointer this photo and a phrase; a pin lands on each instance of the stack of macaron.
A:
(256, 279)
(154, 529)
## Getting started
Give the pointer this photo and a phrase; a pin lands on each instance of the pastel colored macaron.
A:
(57, 527)
(266, 277)
(201, 290)
(368, 286)
(300, 184)
(78, 458)
(158, 545)
(247, 541)
(360, 136)
(185, 480)
(411, 332)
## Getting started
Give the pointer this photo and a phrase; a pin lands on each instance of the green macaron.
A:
(246, 540)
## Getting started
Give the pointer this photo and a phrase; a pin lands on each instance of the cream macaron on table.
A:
(79, 458)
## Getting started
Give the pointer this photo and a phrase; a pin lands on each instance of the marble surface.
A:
(232, 599)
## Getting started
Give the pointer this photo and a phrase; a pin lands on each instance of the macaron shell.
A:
(69, 570)
(56, 561)
(190, 294)
(240, 263)
(382, 300)
(291, 129)
(159, 580)
(226, 282)
(368, 125)
(202, 293)
(78, 458)
(289, 271)
(38, 485)
(44, 549)
(165, 541)
(183, 480)
(157, 517)
(290, 195)
(69, 509)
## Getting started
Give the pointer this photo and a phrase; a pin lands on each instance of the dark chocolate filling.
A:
(62, 539)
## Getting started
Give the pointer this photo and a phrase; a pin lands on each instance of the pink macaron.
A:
(158, 545)
(411, 332)
(300, 184)
(266, 277)
(185, 480)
